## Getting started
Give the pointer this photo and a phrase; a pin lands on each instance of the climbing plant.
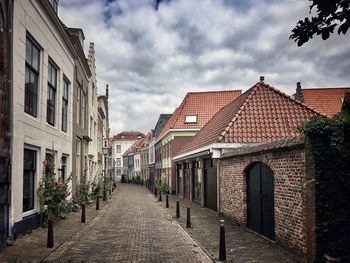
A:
(328, 141)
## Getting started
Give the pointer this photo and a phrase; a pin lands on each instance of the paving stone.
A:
(132, 227)
(242, 245)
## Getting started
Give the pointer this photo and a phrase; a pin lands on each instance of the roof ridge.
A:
(325, 88)
(251, 91)
(214, 91)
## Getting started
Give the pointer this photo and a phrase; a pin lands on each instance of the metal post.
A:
(222, 247)
(188, 221)
(97, 203)
(49, 234)
(167, 201)
(177, 209)
(83, 213)
(160, 196)
(104, 182)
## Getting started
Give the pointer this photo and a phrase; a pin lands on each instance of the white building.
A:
(43, 68)
(93, 117)
(120, 144)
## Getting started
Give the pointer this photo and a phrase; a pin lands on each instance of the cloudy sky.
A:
(151, 59)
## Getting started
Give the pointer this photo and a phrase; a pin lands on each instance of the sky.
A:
(152, 58)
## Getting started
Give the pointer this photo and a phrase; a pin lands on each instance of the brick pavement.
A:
(32, 247)
(130, 228)
(241, 244)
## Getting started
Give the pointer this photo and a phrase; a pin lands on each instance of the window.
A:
(31, 78)
(119, 162)
(63, 168)
(191, 119)
(82, 108)
(78, 104)
(29, 169)
(119, 172)
(119, 148)
(51, 94)
(93, 94)
(49, 162)
(65, 105)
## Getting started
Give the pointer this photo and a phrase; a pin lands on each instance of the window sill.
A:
(29, 213)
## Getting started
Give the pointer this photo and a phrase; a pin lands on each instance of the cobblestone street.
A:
(132, 227)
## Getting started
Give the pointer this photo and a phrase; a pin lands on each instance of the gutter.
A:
(175, 130)
(215, 149)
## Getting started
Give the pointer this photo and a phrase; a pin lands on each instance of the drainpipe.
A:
(218, 184)
(10, 107)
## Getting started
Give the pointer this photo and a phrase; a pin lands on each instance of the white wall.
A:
(29, 131)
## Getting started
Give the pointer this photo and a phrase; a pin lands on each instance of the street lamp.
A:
(105, 153)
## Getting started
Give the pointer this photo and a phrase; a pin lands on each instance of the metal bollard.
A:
(160, 196)
(49, 234)
(167, 201)
(83, 213)
(177, 209)
(97, 203)
(222, 247)
(104, 194)
(188, 221)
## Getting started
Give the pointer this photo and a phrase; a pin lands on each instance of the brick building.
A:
(194, 112)
(265, 188)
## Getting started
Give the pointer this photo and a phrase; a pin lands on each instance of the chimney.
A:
(262, 78)
(299, 93)
(107, 92)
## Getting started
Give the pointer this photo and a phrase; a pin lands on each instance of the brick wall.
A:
(294, 203)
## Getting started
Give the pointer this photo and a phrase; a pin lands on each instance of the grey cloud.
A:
(152, 58)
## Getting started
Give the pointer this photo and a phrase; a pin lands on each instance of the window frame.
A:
(65, 100)
(31, 95)
(188, 119)
(31, 172)
(51, 91)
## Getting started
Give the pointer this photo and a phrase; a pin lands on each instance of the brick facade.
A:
(293, 201)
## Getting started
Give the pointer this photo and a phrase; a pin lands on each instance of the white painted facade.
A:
(124, 145)
(137, 164)
(32, 19)
(93, 118)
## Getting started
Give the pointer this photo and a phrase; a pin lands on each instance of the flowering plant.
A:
(52, 193)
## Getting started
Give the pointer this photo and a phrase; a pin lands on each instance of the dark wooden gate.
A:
(4, 120)
(210, 188)
(260, 200)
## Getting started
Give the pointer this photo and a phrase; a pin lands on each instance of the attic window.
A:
(191, 119)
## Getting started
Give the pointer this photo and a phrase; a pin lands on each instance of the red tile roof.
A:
(261, 114)
(325, 100)
(134, 147)
(128, 136)
(202, 104)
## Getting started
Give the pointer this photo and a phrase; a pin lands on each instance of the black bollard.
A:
(97, 203)
(177, 209)
(104, 194)
(167, 201)
(83, 213)
(188, 221)
(222, 247)
(160, 196)
(49, 234)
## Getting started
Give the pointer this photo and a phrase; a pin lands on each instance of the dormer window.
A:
(191, 119)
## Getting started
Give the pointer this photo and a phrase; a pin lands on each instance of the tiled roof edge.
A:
(291, 142)
(244, 103)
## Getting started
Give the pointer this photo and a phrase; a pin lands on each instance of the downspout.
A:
(10, 107)
(218, 184)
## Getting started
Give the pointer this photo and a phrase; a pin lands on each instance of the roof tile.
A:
(261, 114)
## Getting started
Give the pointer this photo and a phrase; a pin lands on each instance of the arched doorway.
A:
(260, 200)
